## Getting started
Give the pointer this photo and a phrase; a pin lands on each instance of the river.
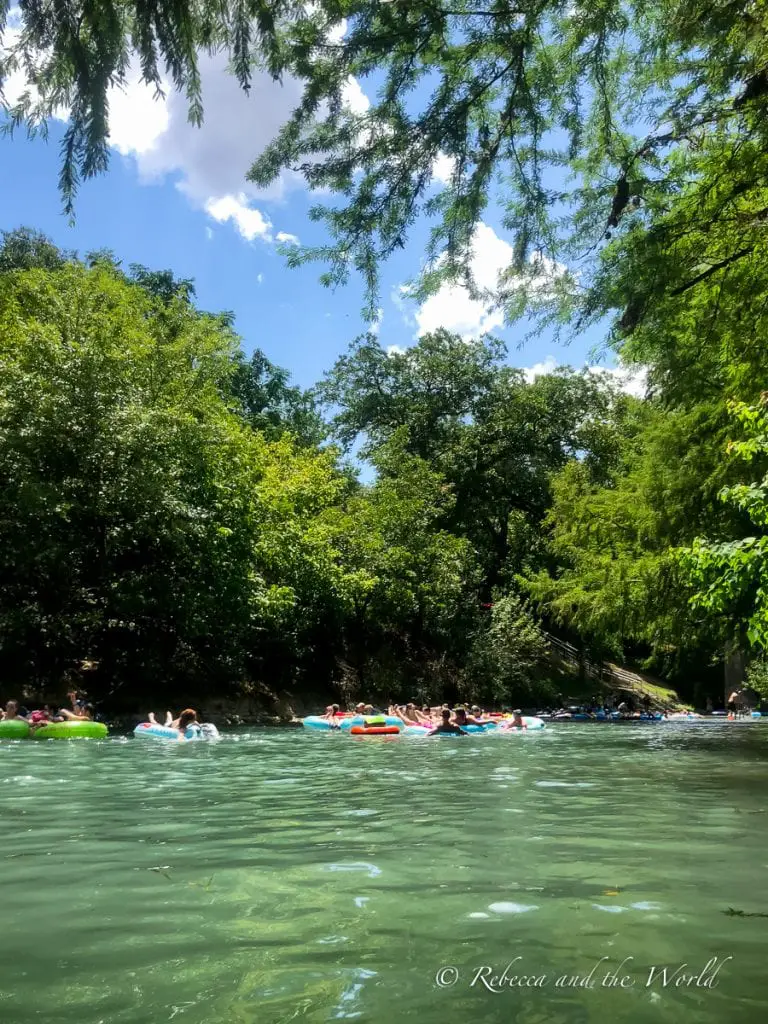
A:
(278, 876)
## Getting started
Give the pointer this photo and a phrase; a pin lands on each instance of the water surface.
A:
(279, 876)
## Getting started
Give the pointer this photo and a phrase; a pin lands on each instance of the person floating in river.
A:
(11, 713)
(461, 718)
(82, 713)
(409, 714)
(516, 722)
(186, 718)
(333, 715)
(447, 726)
(44, 716)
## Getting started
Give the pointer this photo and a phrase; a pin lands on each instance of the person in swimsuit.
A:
(410, 714)
(461, 718)
(517, 720)
(82, 713)
(186, 718)
(333, 716)
(11, 713)
(447, 726)
(44, 716)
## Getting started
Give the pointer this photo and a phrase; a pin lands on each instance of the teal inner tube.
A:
(13, 729)
(70, 731)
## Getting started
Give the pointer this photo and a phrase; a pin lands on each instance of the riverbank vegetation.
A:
(173, 510)
(176, 516)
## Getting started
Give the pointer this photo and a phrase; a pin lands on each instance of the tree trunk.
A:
(733, 670)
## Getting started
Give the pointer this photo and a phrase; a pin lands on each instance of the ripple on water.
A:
(369, 869)
(511, 908)
(565, 785)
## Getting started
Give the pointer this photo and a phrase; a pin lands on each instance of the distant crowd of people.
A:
(80, 710)
(439, 719)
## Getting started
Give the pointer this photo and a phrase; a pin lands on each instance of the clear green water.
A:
(279, 876)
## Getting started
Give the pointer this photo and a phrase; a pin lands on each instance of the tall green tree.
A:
(729, 573)
(141, 527)
(270, 404)
(614, 581)
(494, 438)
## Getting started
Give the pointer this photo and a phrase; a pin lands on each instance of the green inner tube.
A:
(70, 731)
(14, 729)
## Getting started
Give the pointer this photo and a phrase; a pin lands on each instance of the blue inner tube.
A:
(319, 724)
(146, 731)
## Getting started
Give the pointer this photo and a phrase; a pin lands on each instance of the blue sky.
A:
(175, 197)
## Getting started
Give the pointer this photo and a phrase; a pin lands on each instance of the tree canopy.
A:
(583, 120)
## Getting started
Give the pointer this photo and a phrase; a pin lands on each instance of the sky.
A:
(175, 197)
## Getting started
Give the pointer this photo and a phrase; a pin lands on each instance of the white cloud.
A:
(250, 222)
(399, 296)
(337, 33)
(443, 168)
(137, 119)
(547, 365)
(632, 382)
(15, 84)
(395, 350)
(209, 163)
(354, 98)
(452, 306)
(286, 236)
(259, 279)
(209, 233)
